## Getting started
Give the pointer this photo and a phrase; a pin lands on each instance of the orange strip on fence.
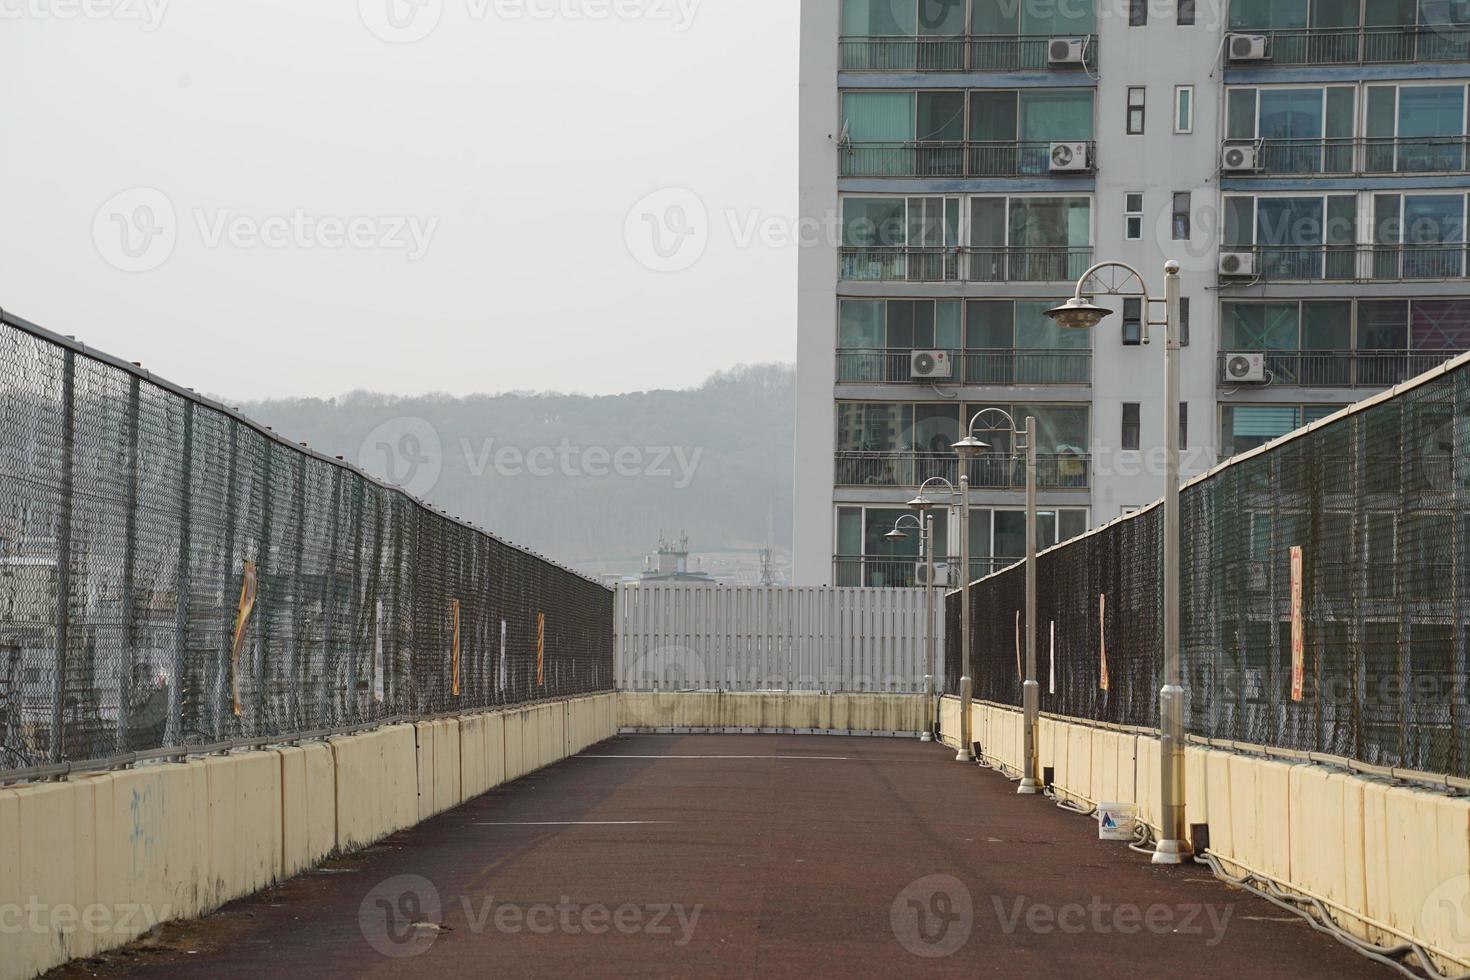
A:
(540, 649)
(454, 656)
(1298, 630)
(242, 619)
(1102, 638)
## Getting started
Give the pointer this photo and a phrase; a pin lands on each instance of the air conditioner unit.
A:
(1069, 157)
(941, 574)
(1237, 264)
(1247, 47)
(1066, 50)
(1239, 157)
(1245, 367)
(927, 364)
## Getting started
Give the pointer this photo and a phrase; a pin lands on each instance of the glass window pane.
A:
(1289, 221)
(941, 117)
(947, 324)
(1381, 123)
(1327, 325)
(1010, 534)
(1340, 103)
(1335, 13)
(849, 530)
(879, 117)
(873, 221)
(1239, 221)
(1291, 114)
(1056, 115)
(1073, 522)
(941, 18)
(901, 324)
(980, 518)
(996, 17)
(1037, 331)
(1265, 15)
(1441, 324)
(878, 523)
(879, 17)
(1060, 429)
(860, 324)
(1431, 110)
(1434, 218)
(936, 429)
(1383, 325)
(988, 325)
(987, 222)
(993, 117)
(1240, 114)
(1052, 19)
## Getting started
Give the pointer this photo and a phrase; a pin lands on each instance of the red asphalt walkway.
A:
(746, 856)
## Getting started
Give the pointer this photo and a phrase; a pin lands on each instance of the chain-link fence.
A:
(1324, 587)
(174, 575)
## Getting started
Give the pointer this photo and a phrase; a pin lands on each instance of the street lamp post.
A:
(969, 448)
(923, 505)
(925, 524)
(1079, 313)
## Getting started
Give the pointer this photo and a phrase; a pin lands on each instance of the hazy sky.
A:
(274, 197)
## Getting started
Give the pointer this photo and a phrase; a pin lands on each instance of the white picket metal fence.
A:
(754, 638)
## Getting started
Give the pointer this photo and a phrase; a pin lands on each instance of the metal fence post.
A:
(296, 661)
(266, 588)
(232, 499)
(329, 607)
(62, 623)
(174, 735)
(130, 553)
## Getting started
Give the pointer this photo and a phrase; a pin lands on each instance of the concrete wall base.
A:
(92, 863)
(1391, 861)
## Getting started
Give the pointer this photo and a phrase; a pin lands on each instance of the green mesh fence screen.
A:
(132, 515)
(1376, 501)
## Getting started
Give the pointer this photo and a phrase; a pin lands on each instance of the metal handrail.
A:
(901, 468)
(976, 366)
(959, 158)
(954, 263)
(1337, 156)
(1341, 368)
(1358, 45)
(1352, 262)
(960, 52)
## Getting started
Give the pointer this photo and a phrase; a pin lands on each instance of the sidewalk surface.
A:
(746, 856)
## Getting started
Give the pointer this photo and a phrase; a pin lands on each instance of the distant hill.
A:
(590, 481)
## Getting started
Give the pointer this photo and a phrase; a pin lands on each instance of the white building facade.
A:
(1305, 161)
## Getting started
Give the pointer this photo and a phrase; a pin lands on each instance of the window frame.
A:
(1130, 216)
(1183, 109)
(1140, 108)
(1131, 427)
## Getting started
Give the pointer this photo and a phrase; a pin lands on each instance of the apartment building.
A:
(1305, 161)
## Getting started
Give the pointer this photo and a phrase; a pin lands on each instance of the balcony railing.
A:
(998, 471)
(1026, 263)
(880, 572)
(973, 367)
(957, 53)
(1360, 45)
(1346, 263)
(1337, 157)
(1343, 368)
(959, 158)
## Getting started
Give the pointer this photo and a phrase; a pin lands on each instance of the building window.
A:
(1137, 13)
(1184, 108)
(1186, 13)
(1184, 321)
(1184, 424)
(1135, 110)
(1132, 322)
(1179, 221)
(1131, 425)
(1133, 217)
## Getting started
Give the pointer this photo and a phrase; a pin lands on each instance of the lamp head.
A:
(896, 535)
(1078, 313)
(969, 447)
(921, 502)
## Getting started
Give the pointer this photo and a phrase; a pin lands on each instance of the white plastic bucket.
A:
(1115, 821)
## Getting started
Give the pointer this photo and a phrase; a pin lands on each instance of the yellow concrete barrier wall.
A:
(1393, 862)
(758, 711)
(94, 862)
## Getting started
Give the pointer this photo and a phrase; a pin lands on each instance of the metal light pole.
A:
(967, 683)
(1031, 689)
(1080, 313)
(968, 448)
(924, 505)
(925, 524)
